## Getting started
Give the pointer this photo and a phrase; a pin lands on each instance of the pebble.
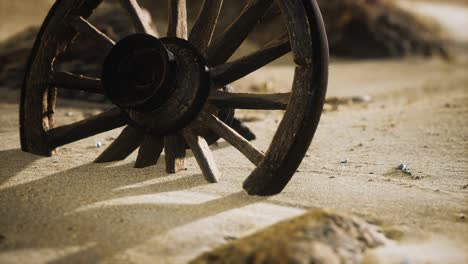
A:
(69, 114)
(98, 144)
(461, 216)
(404, 168)
(344, 161)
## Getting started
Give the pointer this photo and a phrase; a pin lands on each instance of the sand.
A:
(65, 209)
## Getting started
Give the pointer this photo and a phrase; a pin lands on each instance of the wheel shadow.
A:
(109, 207)
(13, 161)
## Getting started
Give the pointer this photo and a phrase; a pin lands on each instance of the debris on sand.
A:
(405, 169)
(379, 28)
(99, 144)
(319, 236)
(462, 216)
(345, 161)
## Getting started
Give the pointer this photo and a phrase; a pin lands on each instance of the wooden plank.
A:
(205, 24)
(277, 101)
(102, 40)
(229, 72)
(174, 150)
(127, 142)
(222, 48)
(100, 123)
(177, 19)
(72, 81)
(233, 138)
(149, 152)
(203, 155)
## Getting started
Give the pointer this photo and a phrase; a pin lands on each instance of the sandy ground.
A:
(66, 209)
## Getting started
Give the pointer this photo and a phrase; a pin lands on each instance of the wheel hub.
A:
(162, 84)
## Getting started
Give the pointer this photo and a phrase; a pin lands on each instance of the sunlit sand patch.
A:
(39, 255)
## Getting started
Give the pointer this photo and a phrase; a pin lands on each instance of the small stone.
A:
(362, 99)
(230, 238)
(98, 144)
(462, 216)
(371, 173)
(307, 155)
(345, 161)
(69, 114)
(404, 168)
(465, 186)
(332, 177)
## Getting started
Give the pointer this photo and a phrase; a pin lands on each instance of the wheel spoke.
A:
(149, 152)
(227, 73)
(177, 19)
(174, 149)
(278, 101)
(223, 48)
(86, 128)
(78, 82)
(205, 24)
(203, 155)
(233, 138)
(141, 24)
(83, 26)
(127, 142)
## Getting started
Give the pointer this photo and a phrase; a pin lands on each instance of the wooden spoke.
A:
(177, 19)
(174, 149)
(278, 101)
(233, 138)
(227, 73)
(149, 152)
(205, 24)
(83, 26)
(203, 155)
(86, 128)
(141, 24)
(223, 48)
(127, 142)
(72, 81)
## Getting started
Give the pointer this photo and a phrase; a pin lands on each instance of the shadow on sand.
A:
(46, 213)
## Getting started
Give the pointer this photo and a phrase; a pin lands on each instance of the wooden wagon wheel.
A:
(166, 91)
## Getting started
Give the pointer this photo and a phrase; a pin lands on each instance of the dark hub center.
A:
(162, 84)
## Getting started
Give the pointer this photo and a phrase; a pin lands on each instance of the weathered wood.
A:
(222, 48)
(35, 104)
(174, 150)
(137, 17)
(229, 72)
(102, 40)
(203, 155)
(278, 101)
(72, 81)
(127, 142)
(205, 24)
(51, 101)
(233, 138)
(149, 152)
(97, 124)
(177, 19)
(300, 121)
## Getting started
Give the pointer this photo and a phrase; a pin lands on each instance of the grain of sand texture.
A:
(65, 209)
